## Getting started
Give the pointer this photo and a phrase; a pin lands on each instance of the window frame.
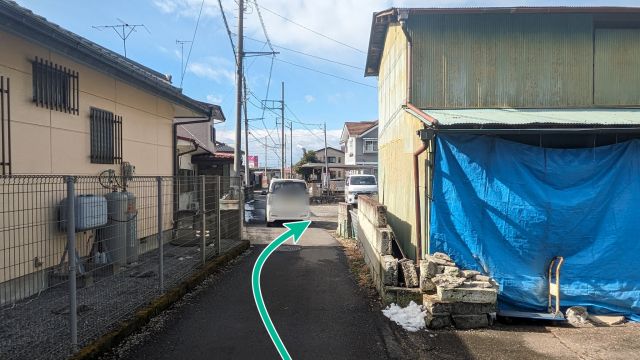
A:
(364, 145)
(55, 87)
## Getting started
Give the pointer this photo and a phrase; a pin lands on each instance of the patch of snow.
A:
(411, 318)
(249, 207)
(248, 216)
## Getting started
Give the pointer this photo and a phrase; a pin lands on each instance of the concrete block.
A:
(470, 321)
(469, 295)
(438, 261)
(409, 272)
(469, 273)
(375, 212)
(433, 305)
(442, 256)
(437, 321)
(447, 281)
(482, 278)
(451, 271)
(401, 296)
(389, 270)
(428, 269)
(477, 284)
(383, 241)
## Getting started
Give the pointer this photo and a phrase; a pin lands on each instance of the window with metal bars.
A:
(106, 137)
(55, 87)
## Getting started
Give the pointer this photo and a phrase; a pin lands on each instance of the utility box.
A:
(90, 212)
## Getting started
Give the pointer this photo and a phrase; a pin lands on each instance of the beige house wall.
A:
(397, 141)
(52, 142)
(49, 142)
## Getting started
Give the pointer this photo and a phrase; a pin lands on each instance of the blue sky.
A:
(311, 97)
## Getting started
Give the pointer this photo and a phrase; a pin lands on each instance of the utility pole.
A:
(282, 150)
(239, 87)
(291, 150)
(326, 159)
(247, 176)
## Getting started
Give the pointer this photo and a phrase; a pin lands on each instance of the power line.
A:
(193, 39)
(326, 73)
(309, 55)
(264, 28)
(313, 31)
(226, 25)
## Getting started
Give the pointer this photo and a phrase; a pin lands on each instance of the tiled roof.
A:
(358, 128)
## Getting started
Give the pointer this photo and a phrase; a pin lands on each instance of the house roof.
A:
(328, 147)
(224, 148)
(359, 128)
(382, 19)
(24, 23)
(531, 119)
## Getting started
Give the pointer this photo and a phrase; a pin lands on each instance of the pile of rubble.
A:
(465, 299)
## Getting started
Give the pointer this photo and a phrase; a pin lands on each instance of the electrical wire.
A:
(195, 31)
(264, 28)
(313, 31)
(326, 73)
(309, 55)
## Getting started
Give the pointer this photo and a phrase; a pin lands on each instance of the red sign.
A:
(253, 161)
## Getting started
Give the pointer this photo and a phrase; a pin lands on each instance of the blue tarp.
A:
(507, 209)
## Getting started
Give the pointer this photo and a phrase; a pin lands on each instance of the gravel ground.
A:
(38, 327)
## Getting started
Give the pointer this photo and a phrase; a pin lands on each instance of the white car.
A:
(359, 185)
(287, 200)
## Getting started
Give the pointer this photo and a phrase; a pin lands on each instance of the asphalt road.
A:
(311, 295)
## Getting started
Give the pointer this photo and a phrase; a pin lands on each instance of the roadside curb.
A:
(142, 316)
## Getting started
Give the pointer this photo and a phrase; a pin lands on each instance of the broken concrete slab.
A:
(447, 281)
(470, 321)
(479, 284)
(451, 270)
(437, 321)
(441, 256)
(409, 272)
(482, 278)
(428, 269)
(469, 273)
(432, 304)
(389, 270)
(439, 261)
(469, 295)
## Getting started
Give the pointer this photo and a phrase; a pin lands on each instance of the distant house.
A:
(359, 141)
(335, 158)
(507, 137)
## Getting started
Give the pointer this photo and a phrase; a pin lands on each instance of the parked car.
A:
(287, 200)
(359, 185)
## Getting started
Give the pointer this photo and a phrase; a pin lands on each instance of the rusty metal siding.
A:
(502, 60)
(617, 67)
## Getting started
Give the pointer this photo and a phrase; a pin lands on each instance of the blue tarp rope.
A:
(507, 209)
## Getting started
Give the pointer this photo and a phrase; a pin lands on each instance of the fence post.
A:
(219, 196)
(71, 251)
(159, 236)
(203, 230)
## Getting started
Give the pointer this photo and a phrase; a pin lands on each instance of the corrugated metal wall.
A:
(397, 140)
(502, 60)
(617, 67)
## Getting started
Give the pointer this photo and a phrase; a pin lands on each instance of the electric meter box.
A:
(90, 212)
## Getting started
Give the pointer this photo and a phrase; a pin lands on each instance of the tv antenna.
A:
(123, 30)
(182, 69)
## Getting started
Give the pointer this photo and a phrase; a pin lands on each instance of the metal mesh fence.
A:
(131, 239)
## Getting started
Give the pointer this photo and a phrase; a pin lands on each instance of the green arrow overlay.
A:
(295, 230)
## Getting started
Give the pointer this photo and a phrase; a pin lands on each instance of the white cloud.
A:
(309, 99)
(214, 99)
(213, 68)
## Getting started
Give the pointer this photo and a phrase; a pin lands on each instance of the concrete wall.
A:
(374, 236)
(52, 142)
(397, 141)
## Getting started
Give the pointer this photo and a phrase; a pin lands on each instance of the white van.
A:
(287, 200)
(359, 185)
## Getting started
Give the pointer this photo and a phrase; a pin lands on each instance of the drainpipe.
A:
(416, 190)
